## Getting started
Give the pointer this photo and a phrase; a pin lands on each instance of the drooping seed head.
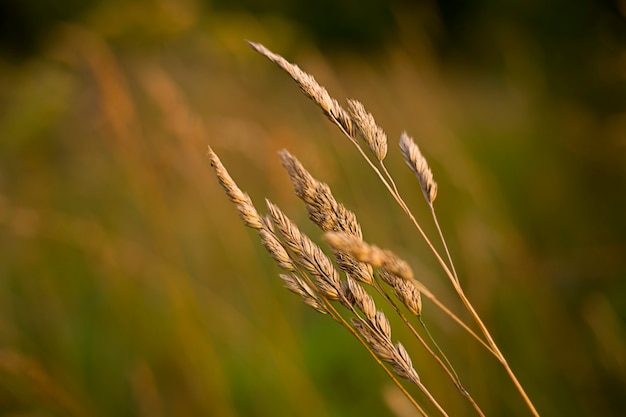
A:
(381, 345)
(275, 248)
(416, 161)
(246, 209)
(370, 254)
(409, 295)
(362, 299)
(296, 285)
(404, 365)
(327, 213)
(373, 134)
(307, 254)
(310, 88)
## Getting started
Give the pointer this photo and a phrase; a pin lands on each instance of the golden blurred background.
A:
(129, 287)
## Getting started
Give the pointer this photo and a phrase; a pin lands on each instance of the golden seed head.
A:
(416, 161)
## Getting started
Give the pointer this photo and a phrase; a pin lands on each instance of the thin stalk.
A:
(450, 314)
(445, 358)
(395, 380)
(497, 352)
(396, 196)
(335, 315)
(447, 366)
(452, 276)
(431, 398)
(443, 241)
(389, 177)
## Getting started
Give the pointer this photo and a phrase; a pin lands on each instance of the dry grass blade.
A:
(373, 135)
(310, 87)
(416, 161)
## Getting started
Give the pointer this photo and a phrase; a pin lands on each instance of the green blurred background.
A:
(129, 287)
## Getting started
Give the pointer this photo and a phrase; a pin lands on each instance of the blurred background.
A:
(129, 287)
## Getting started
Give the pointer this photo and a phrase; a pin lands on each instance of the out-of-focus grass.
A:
(130, 287)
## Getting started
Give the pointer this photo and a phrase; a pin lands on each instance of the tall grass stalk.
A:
(342, 283)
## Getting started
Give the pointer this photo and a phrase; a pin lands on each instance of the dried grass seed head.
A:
(409, 295)
(327, 213)
(355, 247)
(362, 299)
(247, 211)
(370, 254)
(275, 248)
(373, 134)
(418, 164)
(381, 345)
(396, 355)
(394, 264)
(307, 254)
(296, 285)
(323, 209)
(310, 88)
(382, 324)
(404, 365)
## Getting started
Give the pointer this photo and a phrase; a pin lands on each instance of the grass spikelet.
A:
(382, 324)
(373, 135)
(409, 295)
(323, 209)
(312, 275)
(276, 249)
(362, 299)
(246, 209)
(405, 290)
(416, 161)
(307, 253)
(404, 364)
(370, 254)
(327, 213)
(382, 346)
(250, 215)
(296, 285)
(310, 88)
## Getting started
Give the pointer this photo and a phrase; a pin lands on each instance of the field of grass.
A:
(129, 286)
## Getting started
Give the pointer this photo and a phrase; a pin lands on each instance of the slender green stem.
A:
(443, 355)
